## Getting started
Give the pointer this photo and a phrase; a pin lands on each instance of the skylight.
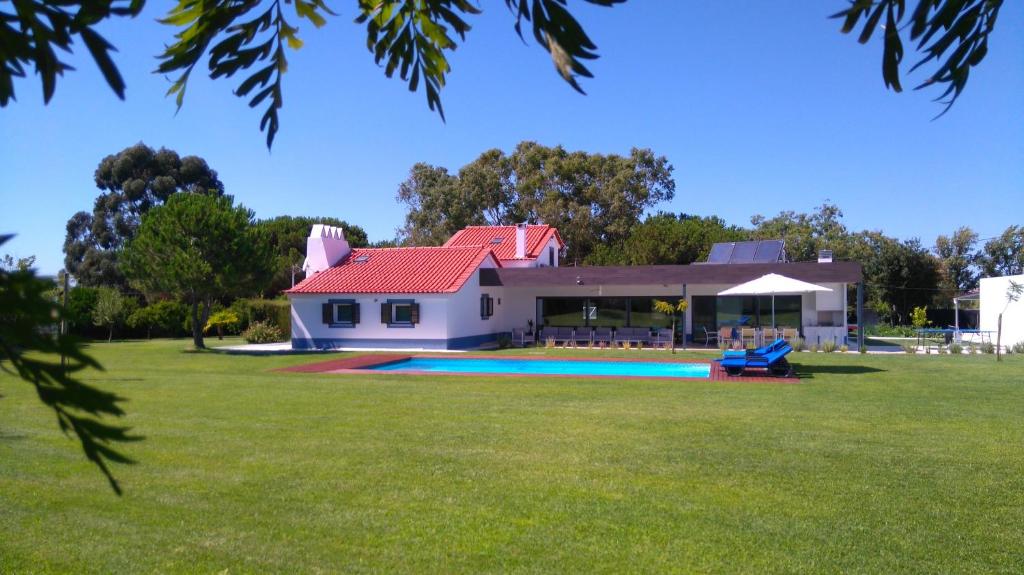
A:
(497, 240)
(361, 259)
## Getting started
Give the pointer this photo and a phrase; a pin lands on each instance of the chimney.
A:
(325, 247)
(521, 241)
(824, 256)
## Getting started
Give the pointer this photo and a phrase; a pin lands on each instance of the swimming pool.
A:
(513, 366)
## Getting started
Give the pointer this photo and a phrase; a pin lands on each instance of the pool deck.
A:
(359, 365)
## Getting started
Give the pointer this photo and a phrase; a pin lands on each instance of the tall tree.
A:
(1004, 255)
(436, 206)
(133, 181)
(805, 234)
(665, 238)
(414, 39)
(957, 256)
(287, 236)
(200, 248)
(898, 275)
(592, 199)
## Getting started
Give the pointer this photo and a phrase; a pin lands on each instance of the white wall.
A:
(993, 301)
(307, 317)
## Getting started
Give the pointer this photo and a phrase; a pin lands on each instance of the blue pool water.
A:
(547, 367)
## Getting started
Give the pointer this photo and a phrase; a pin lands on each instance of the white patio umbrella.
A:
(773, 285)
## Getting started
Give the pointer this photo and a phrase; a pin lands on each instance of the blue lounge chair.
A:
(773, 361)
(759, 351)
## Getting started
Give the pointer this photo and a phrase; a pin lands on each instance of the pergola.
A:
(973, 295)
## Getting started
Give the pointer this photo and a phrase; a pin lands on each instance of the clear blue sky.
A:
(760, 106)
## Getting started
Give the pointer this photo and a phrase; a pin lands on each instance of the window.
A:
(341, 313)
(486, 306)
(551, 256)
(400, 313)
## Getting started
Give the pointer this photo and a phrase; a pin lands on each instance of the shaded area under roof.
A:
(694, 274)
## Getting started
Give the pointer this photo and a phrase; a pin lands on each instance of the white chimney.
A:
(520, 241)
(325, 246)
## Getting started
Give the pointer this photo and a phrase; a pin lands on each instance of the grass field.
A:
(871, 464)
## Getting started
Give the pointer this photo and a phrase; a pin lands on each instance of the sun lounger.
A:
(561, 335)
(772, 361)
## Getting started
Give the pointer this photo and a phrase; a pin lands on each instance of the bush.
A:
(971, 350)
(813, 348)
(165, 318)
(273, 311)
(504, 341)
(1018, 347)
(988, 347)
(844, 348)
(955, 349)
(222, 321)
(910, 348)
(829, 346)
(890, 331)
(262, 332)
(796, 343)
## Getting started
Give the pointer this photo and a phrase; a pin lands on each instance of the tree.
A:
(805, 234)
(592, 199)
(898, 275)
(436, 206)
(133, 181)
(672, 310)
(110, 311)
(287, 236)
(957, 257)
(199, 248)
(1004, 256)
(665, 238)
(413, 39)
(29, 346)
(11, 263)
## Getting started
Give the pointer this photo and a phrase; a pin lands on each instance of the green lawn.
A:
(872, 464)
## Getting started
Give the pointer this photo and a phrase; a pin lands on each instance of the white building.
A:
(487, 280)
(993, 301)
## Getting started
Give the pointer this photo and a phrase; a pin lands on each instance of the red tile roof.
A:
(537, 237)
(398, 270)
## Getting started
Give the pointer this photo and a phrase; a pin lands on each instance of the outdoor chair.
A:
(558, 334)
(664, 337)
(725, 334)
(632, 334)
(523, 337)
(602, 335)
(789, 333)
(748, 335)
(709, 336)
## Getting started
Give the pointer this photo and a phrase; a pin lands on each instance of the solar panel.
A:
(768, 251)
(720, 253)
(743, 253)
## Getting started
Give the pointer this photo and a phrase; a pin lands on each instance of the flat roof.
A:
(693, 274)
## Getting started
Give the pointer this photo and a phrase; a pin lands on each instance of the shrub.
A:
(724, 345)
(224, 320)
(797, 343)
(273, 311)
(862, 349)
(910, 348)
(626, 344)
(504, 341)
(988, 347)
(971, 350)
(813, 348)
(549, 342)
(955, 349)
(919, 317)
(1018, 347)
(262, 332)
(829, 346)
(165, 318)
(890, 331)
(844, 348)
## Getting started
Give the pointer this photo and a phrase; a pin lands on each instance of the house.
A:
(487, 280)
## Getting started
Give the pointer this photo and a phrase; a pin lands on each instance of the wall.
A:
(993, 301)
(431, 332)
